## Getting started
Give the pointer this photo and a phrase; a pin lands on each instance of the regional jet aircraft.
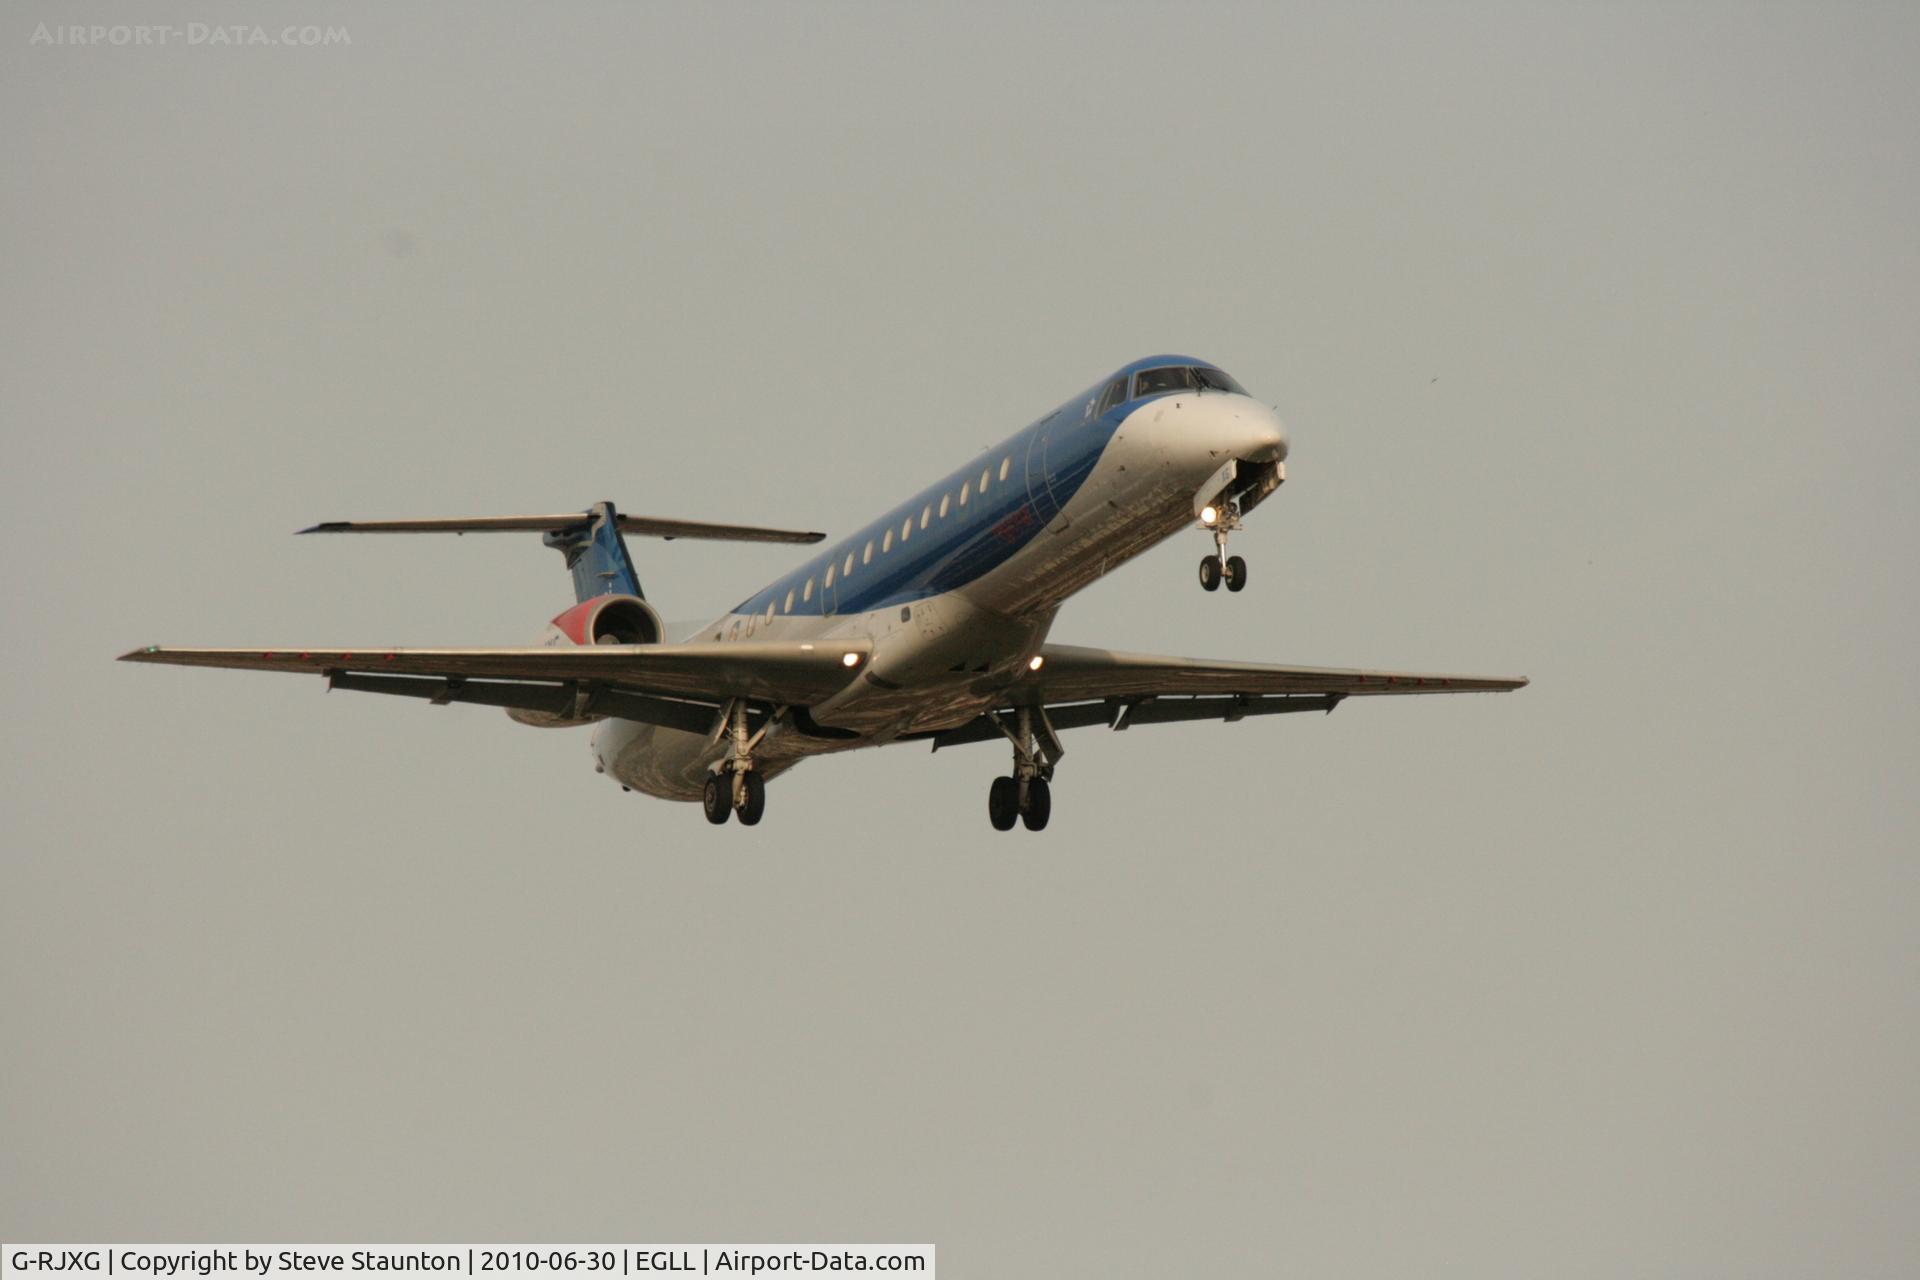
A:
(928, 624)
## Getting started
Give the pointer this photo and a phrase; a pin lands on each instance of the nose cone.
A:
(1274, 439)
(1196, 434)
(1240, 427)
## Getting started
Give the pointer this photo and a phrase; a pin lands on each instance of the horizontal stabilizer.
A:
(643, 526)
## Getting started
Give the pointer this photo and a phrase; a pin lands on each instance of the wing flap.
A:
(1124, 714)
(554, 699)
(781, 672)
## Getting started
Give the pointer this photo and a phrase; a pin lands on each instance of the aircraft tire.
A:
(714, 799)
(1210, 573)
(755, 802)
(1236, 573)
(1003, 803)
(1039, 805)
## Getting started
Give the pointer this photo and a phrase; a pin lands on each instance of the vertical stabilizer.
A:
(597, 555)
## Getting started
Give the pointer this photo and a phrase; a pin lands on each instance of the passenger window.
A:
(1005, 463)
(984, 476)
(944, 499)
(906, 528)
(830, 575)
(847, 568)
(806, 592)
(963, 493)
(789, 606)
(769, 611)
(886, 540)
(926, 514)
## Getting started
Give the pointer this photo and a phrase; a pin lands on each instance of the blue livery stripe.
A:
(1047, 462)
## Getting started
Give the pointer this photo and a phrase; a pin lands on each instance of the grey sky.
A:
(1596, 328)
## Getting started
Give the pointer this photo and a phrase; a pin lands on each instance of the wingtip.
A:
(143, 654)
(325, 526)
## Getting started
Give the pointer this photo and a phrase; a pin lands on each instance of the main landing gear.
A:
(729, 793)
(1027, 794)
(1221, 567)
(737, 787)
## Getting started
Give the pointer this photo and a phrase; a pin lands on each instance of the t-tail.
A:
(596, 555)
(593, 540)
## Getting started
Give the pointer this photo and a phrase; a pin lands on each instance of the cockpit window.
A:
(1153, 382)
(1217, 380)
(1115, 393)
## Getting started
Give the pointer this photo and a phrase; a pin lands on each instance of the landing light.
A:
(1035, 662)
(1208, 515)
(849, 659)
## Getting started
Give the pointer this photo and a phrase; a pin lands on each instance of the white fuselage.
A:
(939, 660)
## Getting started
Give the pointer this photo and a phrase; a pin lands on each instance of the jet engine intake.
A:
(601, 620)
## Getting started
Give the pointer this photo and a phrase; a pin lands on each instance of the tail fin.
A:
(591, 540)
(597, 555)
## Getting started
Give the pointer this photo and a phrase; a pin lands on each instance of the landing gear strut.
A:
(736, 787)
(1026, 795)
(1221, 567)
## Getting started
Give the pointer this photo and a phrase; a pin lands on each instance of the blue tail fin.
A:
(597, 555)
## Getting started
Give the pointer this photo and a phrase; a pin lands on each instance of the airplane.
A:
(927, 625)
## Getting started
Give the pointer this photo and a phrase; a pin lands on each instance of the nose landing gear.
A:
(1221, 567)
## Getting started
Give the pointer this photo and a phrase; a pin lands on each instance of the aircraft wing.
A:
(1070, 673)
(1077, 687)
(640, 682)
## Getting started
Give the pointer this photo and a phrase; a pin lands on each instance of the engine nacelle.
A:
(601, 620)
(606, 620)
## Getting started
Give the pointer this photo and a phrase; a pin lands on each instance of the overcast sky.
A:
(1596, 328)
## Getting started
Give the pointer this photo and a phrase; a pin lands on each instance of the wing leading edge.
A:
(779, 672)
(1071, 673)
